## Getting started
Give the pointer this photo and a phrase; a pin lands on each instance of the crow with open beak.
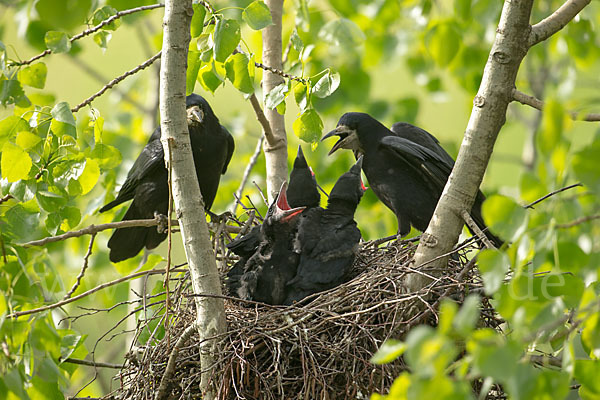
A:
(407, 170)
(147, 180)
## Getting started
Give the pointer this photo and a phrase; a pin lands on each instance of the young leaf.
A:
(104, 13)
(192, 71)
(16, 163)
(89, 176)
(107, 157)
(27, 140)
(443, 41)
(389, 351)
(198, 19)
(10, 125)
(63, 121)
(308, 126)
(493, 265)
(58, 42)
(257, 15)
(102, 38)
(276, 95)
(208, 78)
(34, 75)
(326, 85)
(504, 216)
(227, 36)
(342, 32)
(237, 72)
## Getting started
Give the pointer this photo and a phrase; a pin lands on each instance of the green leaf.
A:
(11, 92)
(342, 32)
(587, 373)
(34, 75)
(104, 13)
(63, 121)
(389, 351)
(16, 163)
(68, 343)
(24, 190)
(9, 127)
(58, 42)
(308, 126)
(71, 216)
(590, 336)
(238, 73)
(89, 176)
(585, 166)
(493, 265)
(44, 389)
(326, 85)
(208, 78)
(193, 62)
(227, 36)
(22, 221)
(26, 140)
(462, 8)
(276, 95)
(301, 92)
(467, 316)
(257, 15)
(504, 217)
(49, 201)
(108, 157)
(553, 122)
(297, 43)
(492, 356)
(197, 20)
(443, 42)
(102, 38)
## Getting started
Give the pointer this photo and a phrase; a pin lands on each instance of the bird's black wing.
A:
(423, 138)
(230, 148)
(424, 161)
(150, 159)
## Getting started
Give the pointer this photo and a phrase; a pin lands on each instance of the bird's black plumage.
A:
(265, 274)
(407, 169)
(327, 239)
(146, 182)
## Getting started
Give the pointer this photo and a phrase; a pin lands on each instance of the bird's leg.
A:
(163, 222)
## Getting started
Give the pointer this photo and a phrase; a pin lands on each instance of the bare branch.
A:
(251, 163)
(555, 22)
(478, 232)
(578, 221)
(93, 229)
(528, 100)
(96, 28)
(171, 364)
(262, 119)
(82, 272)
(280, 72)
(530, 205)
(118, 79)
(6, 198)
(92, 363)
(85, 294)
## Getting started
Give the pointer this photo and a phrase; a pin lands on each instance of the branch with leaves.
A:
(538, 104)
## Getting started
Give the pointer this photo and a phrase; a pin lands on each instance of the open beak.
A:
(196, 114)
(283, 211)
(348, 139)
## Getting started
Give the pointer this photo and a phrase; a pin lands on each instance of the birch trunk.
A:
(189, 206)
(275, 147)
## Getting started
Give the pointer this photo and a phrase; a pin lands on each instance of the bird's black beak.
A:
(300, 161)
(283, 211)
(348, 139)
(356, 168)
(196, 114)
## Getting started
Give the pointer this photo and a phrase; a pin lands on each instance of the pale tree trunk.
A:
(275, 147)
(189, 206)
(514, 37)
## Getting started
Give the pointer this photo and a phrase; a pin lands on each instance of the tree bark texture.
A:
(275, 147)
(487, 117)
(189, 206)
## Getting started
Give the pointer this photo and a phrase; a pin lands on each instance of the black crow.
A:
(266, 273)
(327, 239)
(407, 170)
(146, 182)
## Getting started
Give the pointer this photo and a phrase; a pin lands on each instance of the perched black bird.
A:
(301, 192)
(407, 170)
(327, 239)
(146, 182)
(266, 273)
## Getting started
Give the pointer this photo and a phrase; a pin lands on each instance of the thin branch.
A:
(92, 229)
(280, 72)
(169, 238)
(578, 221)
(555, 22)
(528, 100)
(83, 269)
(207, 5)
(530, 205)
(96, 28)
(6, 198)
(251, 163)
(118, 79)
(262, 119)
(171, 364)
(478, 232)
(92, 363)
(85, 294)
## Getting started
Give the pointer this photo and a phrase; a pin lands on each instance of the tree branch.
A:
(92, 363)
(171, 366)
(96, 28)
(478, 232)
(93, 229)
(82, 272)
(253, 160)
(528, 100)
(555, 22)
(85, 294)
(530, 205)
(578, 221)
(118, 79)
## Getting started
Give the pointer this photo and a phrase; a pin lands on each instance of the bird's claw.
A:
(163, 222)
